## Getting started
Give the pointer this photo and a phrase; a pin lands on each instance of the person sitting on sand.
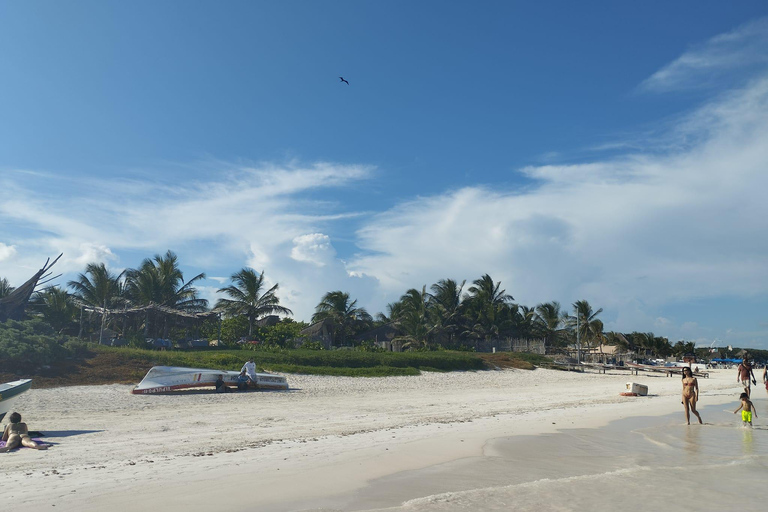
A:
(744, 374)
(16, 434)
(243, 381)
(220, 386)
(747, 408)
(690, 394)
(250, 369)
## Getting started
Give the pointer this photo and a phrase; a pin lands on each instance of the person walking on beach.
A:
(747, 408)
(17, 434)
(744, 375)
(690, 394)
(765, 376)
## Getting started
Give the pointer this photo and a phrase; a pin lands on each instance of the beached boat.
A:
(162, 379)
(9, 392)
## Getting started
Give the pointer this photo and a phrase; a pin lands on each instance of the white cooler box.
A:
(637, 388)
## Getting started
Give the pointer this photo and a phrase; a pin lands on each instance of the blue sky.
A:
(606, 151)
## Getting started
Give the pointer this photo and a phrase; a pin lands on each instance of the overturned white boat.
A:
(9, 392)
(162, 379)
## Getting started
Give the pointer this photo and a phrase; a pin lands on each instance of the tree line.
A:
(447, 314)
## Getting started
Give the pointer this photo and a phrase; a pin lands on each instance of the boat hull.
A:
(164, 379)
(10, 392)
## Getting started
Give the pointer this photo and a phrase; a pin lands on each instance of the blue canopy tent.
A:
(722, 360)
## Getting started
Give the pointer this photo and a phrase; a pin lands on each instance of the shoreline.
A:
(329, 437)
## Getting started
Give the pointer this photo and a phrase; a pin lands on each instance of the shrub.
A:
(29, 344)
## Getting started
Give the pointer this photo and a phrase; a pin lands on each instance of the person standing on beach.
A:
(744, 375)
(690, 394)
(747, 408)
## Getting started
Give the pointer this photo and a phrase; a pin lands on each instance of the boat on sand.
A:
(9, 392)
(163, 379)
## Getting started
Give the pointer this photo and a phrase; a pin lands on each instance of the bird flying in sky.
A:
(342, 79)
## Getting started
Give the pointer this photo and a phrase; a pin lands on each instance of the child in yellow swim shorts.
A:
(747, 408)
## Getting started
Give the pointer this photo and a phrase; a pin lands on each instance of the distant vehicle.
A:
(192, 344)
(246, 341)
(160, 343)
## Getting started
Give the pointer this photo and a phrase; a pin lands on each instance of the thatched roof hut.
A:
(13, 305)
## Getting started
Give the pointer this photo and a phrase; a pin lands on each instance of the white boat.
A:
(163, 379)
(9, 392)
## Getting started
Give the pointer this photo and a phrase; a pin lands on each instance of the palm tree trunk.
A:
(103, 318)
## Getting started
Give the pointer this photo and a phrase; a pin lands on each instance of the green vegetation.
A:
(30, 344)
(156, 301)
(318, 362)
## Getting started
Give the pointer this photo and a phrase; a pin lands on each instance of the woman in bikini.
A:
(16, 434)
(690, 394)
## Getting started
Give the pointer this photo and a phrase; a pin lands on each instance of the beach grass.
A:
(97, 364)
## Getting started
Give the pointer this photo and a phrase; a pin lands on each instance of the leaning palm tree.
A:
(248, 298)
(343, 314)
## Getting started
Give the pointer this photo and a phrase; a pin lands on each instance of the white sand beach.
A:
(327, 438)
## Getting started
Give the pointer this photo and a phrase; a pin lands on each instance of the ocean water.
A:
(636, 464)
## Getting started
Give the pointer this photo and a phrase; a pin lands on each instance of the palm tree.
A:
(414, 318)
(446, 305)
(590, 328)
(98, 287)
(5, 287)
(343, 314)
(54, 304)
(160, 281)
(248, 298)
(523, 320)
(489, 306)
(550, 322)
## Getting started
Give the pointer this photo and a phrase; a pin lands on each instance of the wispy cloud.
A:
(270, 216)
(631, 233)
(744, 48)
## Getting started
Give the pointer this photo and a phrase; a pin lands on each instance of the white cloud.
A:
(314, 248)
(7, 251)
(744, 47)
(236, 216)
(654, 228)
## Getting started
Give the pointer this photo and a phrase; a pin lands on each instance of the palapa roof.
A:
(316, 329)
(386, 332)
(13, 305)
